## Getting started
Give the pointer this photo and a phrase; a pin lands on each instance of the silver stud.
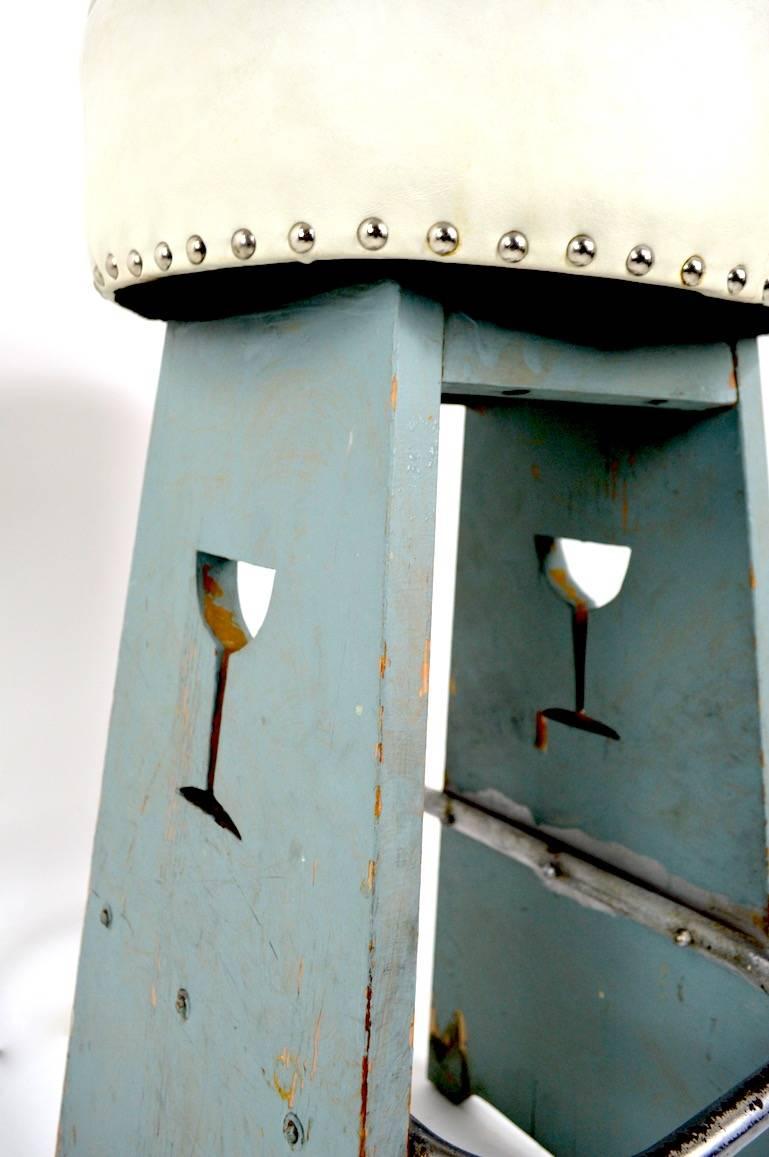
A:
(243, 244)
(443, 238)
(373, 233)
(98, 277)
(135, 263)
(765, 297)
(581, 250)
(692, 270)
(639, 260)
(683, 937)
(737, 279)
(110, 264)
(196, 250)
(513, 246)
(163, 256)
(301, 237)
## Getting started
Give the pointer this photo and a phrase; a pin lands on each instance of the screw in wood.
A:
(183, 1003)
(293, 1130)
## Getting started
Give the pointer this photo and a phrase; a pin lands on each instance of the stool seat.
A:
(616, 140)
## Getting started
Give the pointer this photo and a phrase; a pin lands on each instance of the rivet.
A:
(581, 250)
(293, 1131)
(765, 297)
(110, 264)
(683, 937)
(513, 246)
(135, 263)
(183, 1003)
(243, 244)
(550, 871)
(692, 270)
(373, 233)
(639, 260)
(301, 237)
(163, 256)
(98, 277)
(106, 915)
(737, 279)
(443, 238)
(196, 250)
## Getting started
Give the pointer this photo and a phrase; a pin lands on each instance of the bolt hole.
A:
(293, 1131)
(106, 916)
(183, 1003)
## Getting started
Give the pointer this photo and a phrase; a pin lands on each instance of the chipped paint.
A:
(378, 801)
(364, 1067)
(220, 619)
(394, 393)
(384, 662)
(315, 1046)
(379, 752)
(368, 884)
(752, 578)
(540, 733)
(425, 679)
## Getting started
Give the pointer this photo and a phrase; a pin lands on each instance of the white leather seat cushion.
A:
(636, 122)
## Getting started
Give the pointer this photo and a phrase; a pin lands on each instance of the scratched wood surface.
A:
(598, 1035)
(303, 441)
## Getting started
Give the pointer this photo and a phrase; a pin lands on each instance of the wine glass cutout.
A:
(586, 575)
(234, 599)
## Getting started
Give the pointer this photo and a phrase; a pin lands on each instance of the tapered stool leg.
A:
(250, 995)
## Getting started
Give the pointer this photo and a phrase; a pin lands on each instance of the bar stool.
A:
(347, 213)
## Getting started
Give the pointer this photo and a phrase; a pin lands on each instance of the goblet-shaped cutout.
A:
(234, 599)
(586, 575)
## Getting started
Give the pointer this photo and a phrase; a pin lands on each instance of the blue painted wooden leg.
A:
(250, 995)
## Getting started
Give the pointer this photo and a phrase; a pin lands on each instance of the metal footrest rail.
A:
(736, 1119)
(728, 1125)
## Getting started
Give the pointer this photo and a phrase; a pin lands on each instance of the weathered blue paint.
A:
(594, 1033)
(304, 441)
(485, 359)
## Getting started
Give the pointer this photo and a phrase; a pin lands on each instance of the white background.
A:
(77, 380)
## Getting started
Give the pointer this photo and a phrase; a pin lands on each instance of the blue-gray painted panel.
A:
(303, 441)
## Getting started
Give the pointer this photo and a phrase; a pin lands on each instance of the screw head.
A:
(683, 937)
(106, 916)
(737, 279)
(550, 871)
(640, 260)
(513, 246)
(692, 270)
(183, 1003)
(443, 238)
(110, 264)
(196, 250)
(243, 244)
(301, 237)
(581, 250)
(163, 256)
(98, 277)
(293, 1131)
(373, 233)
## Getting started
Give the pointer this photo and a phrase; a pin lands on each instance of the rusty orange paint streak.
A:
(371, 875)
(379, 752)
(425, 680)
(536, 472)
(732, 381)
(560, 578)
(364, 1067)
(286, 1094)
(384, 662)
(752, 578)
(394, 393)
(377, 801)
(540, 736)
(219, 618)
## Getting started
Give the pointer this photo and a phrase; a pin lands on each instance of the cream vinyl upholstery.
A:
(631, 123)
